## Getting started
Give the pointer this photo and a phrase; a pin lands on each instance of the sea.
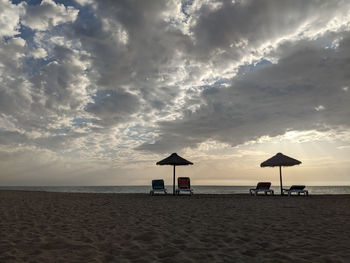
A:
(198, 189)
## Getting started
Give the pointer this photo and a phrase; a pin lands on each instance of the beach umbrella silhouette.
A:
(174, 160)
(280, 160)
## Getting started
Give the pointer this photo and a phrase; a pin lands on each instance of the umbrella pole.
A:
(174, 182)
(281, 180)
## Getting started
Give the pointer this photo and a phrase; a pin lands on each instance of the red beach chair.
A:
(184, 185)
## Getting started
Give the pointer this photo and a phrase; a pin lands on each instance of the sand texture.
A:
(71, 227)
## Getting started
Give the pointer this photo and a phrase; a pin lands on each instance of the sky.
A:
(96, 92)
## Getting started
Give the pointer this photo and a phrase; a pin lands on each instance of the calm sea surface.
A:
(197, 189)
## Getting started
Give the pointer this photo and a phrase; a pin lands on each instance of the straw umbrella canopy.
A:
(280, 160)
(174, 160)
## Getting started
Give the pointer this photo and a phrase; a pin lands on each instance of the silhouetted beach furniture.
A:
(174, 160)
(280, 160)
(262, 187)
(158, 187)
(184, 185)
(299, 189)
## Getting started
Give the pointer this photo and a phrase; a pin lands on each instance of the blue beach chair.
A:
(298, 189)
(158, 187)
(262, 187)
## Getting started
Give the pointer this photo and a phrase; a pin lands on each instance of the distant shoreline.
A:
(169, 194)
(313, 190)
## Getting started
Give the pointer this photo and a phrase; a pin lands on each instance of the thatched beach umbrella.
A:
(174, 160)
(280, 160)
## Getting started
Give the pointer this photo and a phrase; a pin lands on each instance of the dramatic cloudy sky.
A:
(95, 92)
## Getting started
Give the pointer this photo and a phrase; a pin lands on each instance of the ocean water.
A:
(315, 190)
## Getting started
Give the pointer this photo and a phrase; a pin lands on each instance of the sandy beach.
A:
(72, 227)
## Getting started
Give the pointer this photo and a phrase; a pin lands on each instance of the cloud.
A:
(85, 2)
(9, 19)
(40, 97)
(15, 89)
(48, 14)
(133, 49)
(247, 25)
(143, 64)
(236, 32)
(39, 53)
(112, 107)
(99, 79)
(269, 100)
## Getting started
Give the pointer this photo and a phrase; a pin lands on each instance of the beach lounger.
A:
(158, 187)
(298, 189)
(183, 185)
(262, 187)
